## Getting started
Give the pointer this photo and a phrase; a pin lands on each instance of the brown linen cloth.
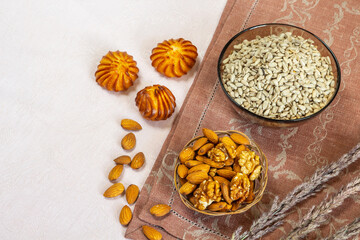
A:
(293, 153)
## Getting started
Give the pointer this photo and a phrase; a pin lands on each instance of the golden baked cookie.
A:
(155, 102)
(117, 71)
(174, 57)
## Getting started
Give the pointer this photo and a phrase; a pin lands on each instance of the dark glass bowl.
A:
(264, 30)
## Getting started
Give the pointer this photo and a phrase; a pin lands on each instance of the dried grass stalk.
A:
(270, 221)
(317, 215)
(346, 232)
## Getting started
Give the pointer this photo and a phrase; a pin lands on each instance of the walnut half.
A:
(208, 192)
(239, 187)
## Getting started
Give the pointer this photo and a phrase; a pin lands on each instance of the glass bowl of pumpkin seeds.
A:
(278, 74)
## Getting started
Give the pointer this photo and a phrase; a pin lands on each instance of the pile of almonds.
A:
(218, 173)
(132, 192)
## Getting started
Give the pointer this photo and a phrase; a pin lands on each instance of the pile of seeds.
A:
(279, 77)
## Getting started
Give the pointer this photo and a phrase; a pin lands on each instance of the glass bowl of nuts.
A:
(221, 173)
(278, 75)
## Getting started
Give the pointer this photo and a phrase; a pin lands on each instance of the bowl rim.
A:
(337, 87)
(257, 198)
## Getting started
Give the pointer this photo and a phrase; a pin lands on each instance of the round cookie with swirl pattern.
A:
(174, 57)
(155, 102)
(117, 71)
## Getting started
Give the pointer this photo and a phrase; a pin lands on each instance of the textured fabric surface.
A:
(293, 153)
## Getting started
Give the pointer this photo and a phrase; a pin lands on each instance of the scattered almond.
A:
(129, 124)
(124, 159)
(199, 143)
(129, 141)
(160, 210)
(187, 188)
(197, 177)
(239, 139)
(211, 135)
(125, 215)
(132, 193)
(182, 171)
(186, 154)
(138, 161)
(115, 190)
(115, 172)
(151, 233)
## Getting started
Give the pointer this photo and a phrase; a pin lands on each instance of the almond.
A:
(228, 174)
(192, 163)
(202, 158)
(129, 124)
(182, 171)
(227, 208)
(229, 162)
(217, 206)
(132, 193)
(138, 161)
(204, 149)
(211, 135)
(192, 199)
(115, 190)
(187, 188)
(160, 210)
(201, 167)
(124, 159)
(239, 149)
(199, 143)
(129, 141)
(125, 215)
(151, 233)
(225, 192)
(186, 154)
(236, 205)
(115, 172)
(197, 177)
(228, 141)
(210, 162)
(182, 181)
(236, 167)
(221, 180)
(227, 168)
(240, 139)
(251, 196)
